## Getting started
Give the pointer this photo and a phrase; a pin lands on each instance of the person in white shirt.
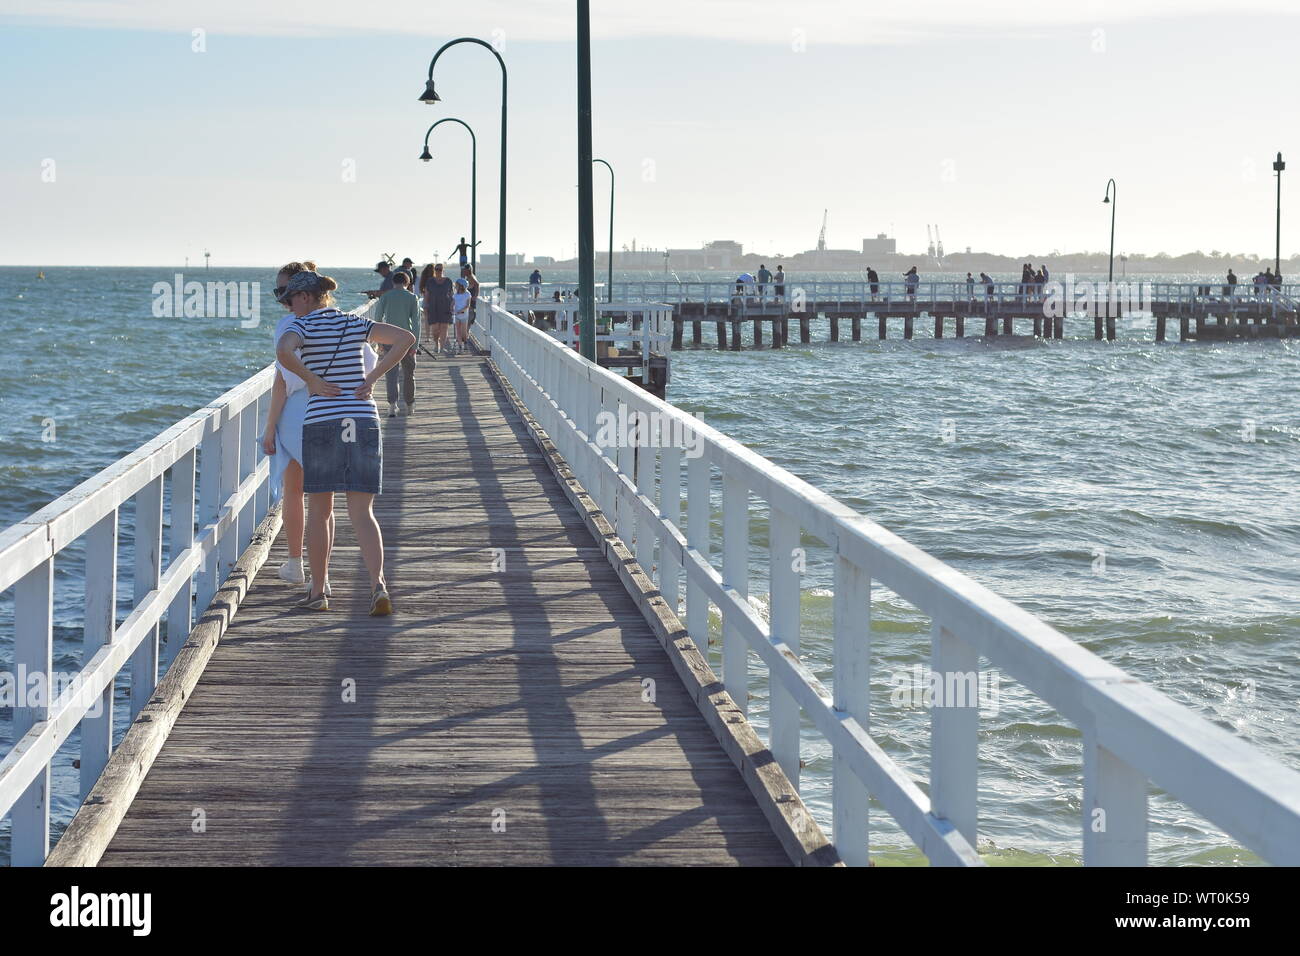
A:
(282, 442)
(460, 303)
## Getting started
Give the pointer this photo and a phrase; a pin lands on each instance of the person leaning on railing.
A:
(341, 443)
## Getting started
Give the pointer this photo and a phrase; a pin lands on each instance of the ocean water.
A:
(1141, 499)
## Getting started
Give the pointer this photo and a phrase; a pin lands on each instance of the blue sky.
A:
(1001, 123)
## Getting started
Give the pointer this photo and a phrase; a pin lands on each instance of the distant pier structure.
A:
(1200, 310)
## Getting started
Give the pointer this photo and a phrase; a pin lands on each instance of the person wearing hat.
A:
(341, 441)
(385, 270)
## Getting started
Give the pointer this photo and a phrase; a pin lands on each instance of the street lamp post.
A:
(1112, 189)
(430, 97)
(473, 182)
(586, 236)
(610, 281)
(1278, 166)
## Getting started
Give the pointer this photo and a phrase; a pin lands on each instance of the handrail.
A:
(1132, 734)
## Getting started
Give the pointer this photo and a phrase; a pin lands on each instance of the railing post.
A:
(100, 629)
(623, 458)
(209, 577)
(263, 497)
(248, 455)
(179, 614)
(954, 732)
(670, 510)
(851, 674)
(33, 655)
(784, 736)
(228, 546)
(646, 530)
(1114, 808)
(698, 507)
(735, 574)
(148, 568)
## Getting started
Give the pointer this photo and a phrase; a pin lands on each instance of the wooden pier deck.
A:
(498, 714)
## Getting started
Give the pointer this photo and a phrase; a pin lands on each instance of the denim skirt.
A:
(342, 455)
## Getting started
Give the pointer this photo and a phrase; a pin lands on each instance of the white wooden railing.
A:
(211, 522)
(1132, 734)
(644, 327)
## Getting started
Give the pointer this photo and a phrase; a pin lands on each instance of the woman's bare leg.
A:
(320, 520)
(369, 538)
(294, 515)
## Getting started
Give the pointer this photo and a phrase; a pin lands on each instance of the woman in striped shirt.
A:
(341, 444)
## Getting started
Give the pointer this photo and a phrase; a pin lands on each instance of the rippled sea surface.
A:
(1141, 499)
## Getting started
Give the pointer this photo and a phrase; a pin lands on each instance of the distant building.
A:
(543, 260)
(882, 245)
(488, 260)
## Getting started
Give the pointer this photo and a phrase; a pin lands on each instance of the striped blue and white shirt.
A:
(331, 348)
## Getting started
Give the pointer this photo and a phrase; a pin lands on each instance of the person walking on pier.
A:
(471, 283)
(400, 306)
(874, 279)
(437, 307)
(282, 442)
(342, 447)
(460, 307)
(779, 279)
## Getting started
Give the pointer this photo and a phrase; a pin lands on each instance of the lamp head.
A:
(1107, 199)
(1278, 166)
(426, 156)
(430, 95)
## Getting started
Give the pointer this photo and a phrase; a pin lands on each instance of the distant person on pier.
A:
(400, 306)
(970, 286)
(462, 249)
(385, 270)
(988, 285)
(460, 310)
(471, 283)
(743, 283)
(779, 279)
(1026, 281)
(1231, 288)
(874, 279)
(342, 446)
(408, 267)
(535, 283)
(437, 306)
(764, 277)
(913, 279)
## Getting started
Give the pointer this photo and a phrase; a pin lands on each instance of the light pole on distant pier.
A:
(586, 235)
(1112, 189)
(430, 96)
(1278, 166)
(473, 183)
(610, 290)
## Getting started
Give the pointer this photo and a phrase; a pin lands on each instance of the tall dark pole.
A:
(1278, 166)
(586, 235)
(1112, 189)
(473, 182)
(610, 283)
(430, 96)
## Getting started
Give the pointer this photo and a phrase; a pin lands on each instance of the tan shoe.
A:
(380, 604)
